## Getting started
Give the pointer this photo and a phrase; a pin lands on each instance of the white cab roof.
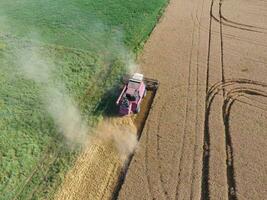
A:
(137, 77)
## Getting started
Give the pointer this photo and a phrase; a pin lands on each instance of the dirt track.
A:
(206, 135)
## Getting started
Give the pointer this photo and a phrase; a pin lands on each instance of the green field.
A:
(87, 46)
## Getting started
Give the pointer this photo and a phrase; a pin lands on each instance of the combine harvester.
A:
(135, 89)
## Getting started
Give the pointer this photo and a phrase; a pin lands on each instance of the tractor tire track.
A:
(165, 192)
(160, 122)
(150, 187)
(241, 26)
(228, 35)
(228, 102)
(182, 150)
(45, 176)
(197, 100)
(206, 137)
(38, 167)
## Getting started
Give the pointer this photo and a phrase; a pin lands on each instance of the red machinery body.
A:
(131, 96)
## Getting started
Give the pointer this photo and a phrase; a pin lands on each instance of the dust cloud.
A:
(123, 133)
(65, 112)
(61, 107)
(36, 66)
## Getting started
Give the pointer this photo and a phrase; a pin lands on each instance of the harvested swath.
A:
(96, 171)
